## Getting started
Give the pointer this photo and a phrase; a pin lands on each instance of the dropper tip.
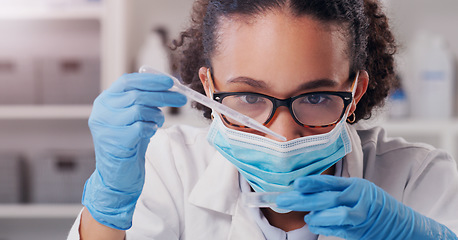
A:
(147, 69)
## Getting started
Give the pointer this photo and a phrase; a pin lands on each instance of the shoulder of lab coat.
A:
(416, 174)
(190, 191)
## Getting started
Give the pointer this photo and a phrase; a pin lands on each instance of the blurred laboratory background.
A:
(56, 56)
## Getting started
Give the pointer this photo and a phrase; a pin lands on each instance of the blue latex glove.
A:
(123, 119)
(354, 208)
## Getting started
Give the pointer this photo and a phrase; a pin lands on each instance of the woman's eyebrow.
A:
(318, 83)
(249, 81)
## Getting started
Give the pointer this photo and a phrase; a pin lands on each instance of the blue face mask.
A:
(272, 166)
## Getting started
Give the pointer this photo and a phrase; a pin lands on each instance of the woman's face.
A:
(282, 56)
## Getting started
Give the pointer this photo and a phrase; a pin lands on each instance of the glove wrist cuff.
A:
(111, 208)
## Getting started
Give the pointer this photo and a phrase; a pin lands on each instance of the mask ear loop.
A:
(211, 87)
(353, 92)
(354, 85)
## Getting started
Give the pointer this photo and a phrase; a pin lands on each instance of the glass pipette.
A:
(200, 98)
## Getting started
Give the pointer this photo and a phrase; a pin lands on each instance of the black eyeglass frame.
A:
(288, 102)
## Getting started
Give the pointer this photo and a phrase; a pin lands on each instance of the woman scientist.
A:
(306, 69)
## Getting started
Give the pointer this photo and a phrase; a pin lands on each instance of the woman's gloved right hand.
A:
(123, 119)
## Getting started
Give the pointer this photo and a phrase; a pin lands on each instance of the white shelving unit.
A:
(48, 13)
(39, 211)
(118, 23)
(93, 11)
(32, 112)
(38, 221)
(112, 17)
(48, 221)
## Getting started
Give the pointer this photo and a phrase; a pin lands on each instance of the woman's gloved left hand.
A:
(354, 208)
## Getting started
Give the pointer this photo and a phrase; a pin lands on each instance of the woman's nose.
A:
(284, 124)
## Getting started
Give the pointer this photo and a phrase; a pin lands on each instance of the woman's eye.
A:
(251, 99)
(315, 99)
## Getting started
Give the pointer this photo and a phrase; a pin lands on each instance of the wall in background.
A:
(145, 15)
(410, 16)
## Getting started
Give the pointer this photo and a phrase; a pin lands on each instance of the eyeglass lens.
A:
(311, 109)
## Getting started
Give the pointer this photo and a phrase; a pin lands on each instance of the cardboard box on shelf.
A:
(10, 178)
(59, 176)
(69, 80)
(17, 80)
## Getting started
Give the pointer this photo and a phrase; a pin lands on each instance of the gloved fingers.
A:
(321, 183)
(132, 133)
(123, 141)
(126, 116)
(141, 81)
(298, 201)
(146, 98)
(359, 195)
(314, 193)
(339, 216)
(164, 99)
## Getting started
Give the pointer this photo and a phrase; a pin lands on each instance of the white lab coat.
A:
(192, 192)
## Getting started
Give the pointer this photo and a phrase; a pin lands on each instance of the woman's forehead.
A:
(280, 46)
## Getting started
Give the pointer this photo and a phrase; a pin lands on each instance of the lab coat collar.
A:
(243, 225)
(353, 162)
(218, 188)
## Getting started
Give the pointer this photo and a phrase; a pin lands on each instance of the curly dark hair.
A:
(371, 43)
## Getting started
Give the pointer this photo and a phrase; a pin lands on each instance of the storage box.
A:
(10, 178)
(17, 80)
(69, 80)
(59, 177)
